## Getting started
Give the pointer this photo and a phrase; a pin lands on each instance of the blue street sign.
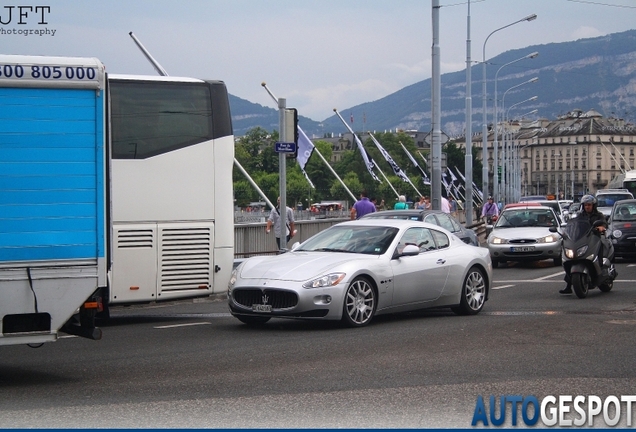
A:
(285, 147)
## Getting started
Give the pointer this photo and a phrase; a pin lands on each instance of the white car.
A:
(522, 233)
(355, 270)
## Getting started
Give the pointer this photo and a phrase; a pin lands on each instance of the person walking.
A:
(453, 206)
(489, 210)
(274, 220)
(401, 204)
(362, 206)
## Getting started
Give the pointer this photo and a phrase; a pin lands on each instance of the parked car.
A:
(622, 228)
(436, 217)
(355, 270)
(522, 233)
(606, 198)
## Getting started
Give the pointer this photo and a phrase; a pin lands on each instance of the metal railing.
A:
(251, 239)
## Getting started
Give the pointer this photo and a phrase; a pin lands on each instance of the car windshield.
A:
(371, 240)
(516, 218)
(625, 212)
(608, 200)
(400, 215)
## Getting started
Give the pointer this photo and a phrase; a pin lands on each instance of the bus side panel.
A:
(224, 212)
(52, 208)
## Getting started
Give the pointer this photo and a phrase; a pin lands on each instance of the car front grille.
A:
(523, 241)
(278, 299)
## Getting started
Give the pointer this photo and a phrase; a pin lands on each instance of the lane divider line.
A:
(182, 325)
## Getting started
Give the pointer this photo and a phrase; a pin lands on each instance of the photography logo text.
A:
(559, 411)
(22, 20)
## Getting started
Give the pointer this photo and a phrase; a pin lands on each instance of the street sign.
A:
(285, 147)
(428, 139)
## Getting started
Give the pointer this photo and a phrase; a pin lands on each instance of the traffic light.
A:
(499, 173)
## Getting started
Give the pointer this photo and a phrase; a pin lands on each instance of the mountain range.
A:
(595, 73)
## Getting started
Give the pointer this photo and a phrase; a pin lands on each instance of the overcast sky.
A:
(318, 54)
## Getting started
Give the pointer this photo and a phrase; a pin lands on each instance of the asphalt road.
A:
(190, 364)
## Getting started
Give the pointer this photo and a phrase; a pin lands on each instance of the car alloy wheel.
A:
(359, 303)
(473, 293)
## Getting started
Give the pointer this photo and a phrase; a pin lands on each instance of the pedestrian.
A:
(401, 204)
(421, 205)
(362, 206)
(453, 206)
(275, 218)
(489, 210)
(445, 207)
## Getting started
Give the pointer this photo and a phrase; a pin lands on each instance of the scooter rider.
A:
(590, 211)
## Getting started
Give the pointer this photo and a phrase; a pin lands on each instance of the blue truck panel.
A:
(51, 174)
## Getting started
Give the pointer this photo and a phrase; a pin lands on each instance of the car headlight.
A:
(233, 278)
(548, 239)
(617, 234)
(498, 240)
(331, 279)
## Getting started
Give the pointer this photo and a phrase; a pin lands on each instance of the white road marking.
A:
(182, 325)
(502, 287)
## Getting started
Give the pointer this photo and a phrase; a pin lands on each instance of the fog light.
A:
(322, 300)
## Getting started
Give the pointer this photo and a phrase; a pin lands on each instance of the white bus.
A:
(626, 180)
(172, 154)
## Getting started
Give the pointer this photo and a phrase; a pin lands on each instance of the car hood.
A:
(521, 232)
(297, 266)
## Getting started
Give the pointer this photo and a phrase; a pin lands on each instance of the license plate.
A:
(261, 308)
(522, 249)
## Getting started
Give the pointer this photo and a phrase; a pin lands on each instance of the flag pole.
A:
(317, 151)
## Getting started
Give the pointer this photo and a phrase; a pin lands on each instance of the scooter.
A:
(580, 254)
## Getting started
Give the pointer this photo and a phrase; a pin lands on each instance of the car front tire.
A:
(360, 303)
(473, 293)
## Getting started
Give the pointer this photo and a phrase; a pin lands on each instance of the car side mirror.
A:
(410, 250)
(552, 229)
(295, 246)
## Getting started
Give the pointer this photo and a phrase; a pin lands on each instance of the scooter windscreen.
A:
(577, 228)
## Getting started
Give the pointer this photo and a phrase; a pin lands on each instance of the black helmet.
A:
(588, 199)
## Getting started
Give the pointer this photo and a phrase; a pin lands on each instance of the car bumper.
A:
(625, 246)
(505, 252)
(286, 299)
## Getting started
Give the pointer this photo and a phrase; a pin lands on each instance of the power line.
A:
(602, 4)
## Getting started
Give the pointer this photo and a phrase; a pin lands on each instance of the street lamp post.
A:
(496, 142)
(517, 149)
(504, 151)
(509, 186)
(484, 126)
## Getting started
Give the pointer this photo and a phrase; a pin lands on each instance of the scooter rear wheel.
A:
(580, 284)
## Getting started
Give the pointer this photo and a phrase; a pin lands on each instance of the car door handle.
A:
(441, 261)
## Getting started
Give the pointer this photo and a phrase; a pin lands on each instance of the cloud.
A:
(585, 32)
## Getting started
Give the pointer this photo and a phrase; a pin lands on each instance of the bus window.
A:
(151, 118)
